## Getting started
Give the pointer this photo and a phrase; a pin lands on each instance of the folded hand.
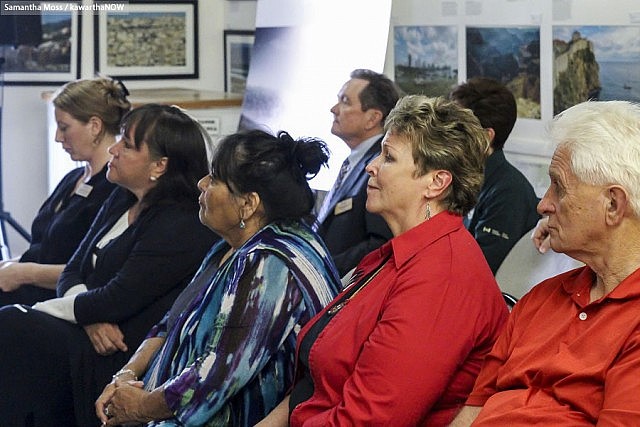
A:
(107, 338)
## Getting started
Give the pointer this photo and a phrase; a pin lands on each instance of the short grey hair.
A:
(603, 139)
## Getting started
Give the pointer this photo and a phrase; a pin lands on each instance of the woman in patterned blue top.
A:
(224, 353)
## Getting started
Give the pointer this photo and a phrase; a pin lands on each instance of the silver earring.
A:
(242, 225)
(153, 178)
(428, 215)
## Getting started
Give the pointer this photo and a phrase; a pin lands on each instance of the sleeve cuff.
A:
(62, 308)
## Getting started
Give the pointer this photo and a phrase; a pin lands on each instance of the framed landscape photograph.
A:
(426, 59)
(238, 45)
(46, 49)
(151, 40)
(600, 62)
(510, 55)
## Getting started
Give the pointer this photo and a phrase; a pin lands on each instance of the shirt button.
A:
(582, 316)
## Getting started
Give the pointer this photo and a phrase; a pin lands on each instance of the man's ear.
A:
(617, 204)
(491, 133)
(374, 118)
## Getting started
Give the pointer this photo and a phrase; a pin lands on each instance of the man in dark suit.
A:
(349, 231)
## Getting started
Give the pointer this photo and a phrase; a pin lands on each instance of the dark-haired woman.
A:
(88, 114)
(142, 250)
(224, 353)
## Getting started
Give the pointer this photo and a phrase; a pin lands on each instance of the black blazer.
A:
(352, 234)
(136, 278)
(137, 275)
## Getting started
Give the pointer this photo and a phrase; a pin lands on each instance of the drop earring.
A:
(428, 214)
(153, 178)
(242, 224)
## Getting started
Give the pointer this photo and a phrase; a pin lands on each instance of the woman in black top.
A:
(141, 251)
(88, 114)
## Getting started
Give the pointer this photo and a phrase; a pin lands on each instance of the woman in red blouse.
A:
(403, 343)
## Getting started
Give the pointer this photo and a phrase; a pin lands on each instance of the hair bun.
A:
(310, 153)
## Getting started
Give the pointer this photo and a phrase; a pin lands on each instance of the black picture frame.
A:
(171, 52)
(237, 56)
(52, 59)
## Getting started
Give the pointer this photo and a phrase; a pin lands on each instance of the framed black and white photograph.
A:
(40, 48)
(150, 40)
(238, 45)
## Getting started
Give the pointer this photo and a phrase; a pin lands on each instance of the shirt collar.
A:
(358, 153)
(581, 280)
(403, 247)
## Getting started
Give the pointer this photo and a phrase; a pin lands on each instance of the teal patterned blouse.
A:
(228, 358)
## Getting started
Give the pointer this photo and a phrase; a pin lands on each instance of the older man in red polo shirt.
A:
(570, 353)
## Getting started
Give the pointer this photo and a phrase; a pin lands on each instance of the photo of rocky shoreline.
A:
(146, 40)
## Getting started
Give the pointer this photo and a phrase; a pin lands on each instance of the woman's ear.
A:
(160, 166)
(440, 181)
(249, 204)
(95, 126)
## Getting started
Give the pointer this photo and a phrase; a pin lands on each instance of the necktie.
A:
(329, 198)
(344, 169)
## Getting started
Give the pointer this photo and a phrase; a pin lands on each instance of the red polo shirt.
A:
(562, 361)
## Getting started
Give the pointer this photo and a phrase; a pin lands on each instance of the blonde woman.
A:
(88, 114)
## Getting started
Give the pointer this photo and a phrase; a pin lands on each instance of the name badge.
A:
(84, 190)
(343, 206)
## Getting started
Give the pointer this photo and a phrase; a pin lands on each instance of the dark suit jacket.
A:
(352, 234)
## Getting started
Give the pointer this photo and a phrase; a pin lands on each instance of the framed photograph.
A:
(43, 49)
(149, 40)
(510, 55)
(237, 57)
(426, 59)
(587, 65)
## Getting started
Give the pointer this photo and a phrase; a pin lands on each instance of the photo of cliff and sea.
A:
(595, 62)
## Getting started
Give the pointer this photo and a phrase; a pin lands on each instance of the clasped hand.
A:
(120, 403)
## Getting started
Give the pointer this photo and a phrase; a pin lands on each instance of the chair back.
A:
(525, 267)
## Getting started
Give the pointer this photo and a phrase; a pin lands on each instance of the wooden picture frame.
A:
(237, 57)
(151, 40)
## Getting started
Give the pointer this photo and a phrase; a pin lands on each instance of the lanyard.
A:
(356, 288)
